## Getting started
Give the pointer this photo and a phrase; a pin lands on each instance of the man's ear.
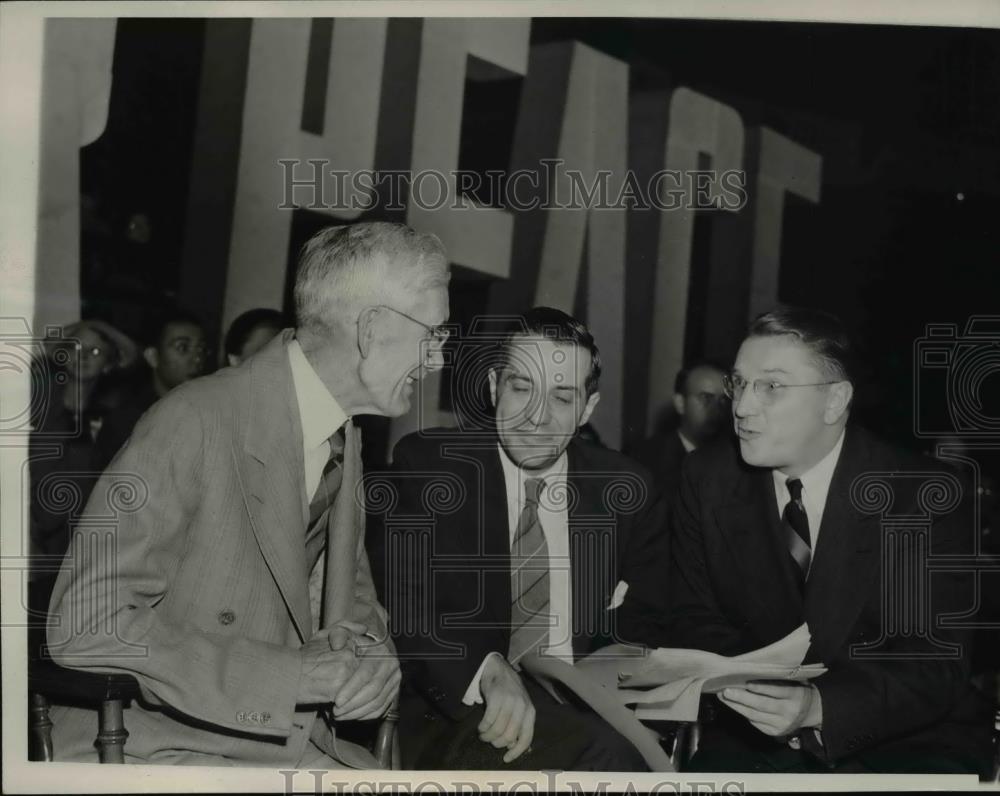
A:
(678, 401)
(366, 330)
(233, 360)
(837, 402)
(152, 357)
(588, 410)
(492, 376)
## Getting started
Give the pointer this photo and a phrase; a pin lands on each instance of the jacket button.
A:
(241, 717)
(227, 617)
(265, 718)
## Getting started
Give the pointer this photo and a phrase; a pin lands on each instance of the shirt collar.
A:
(513, 474)
(816, 480)
(321, 414)
(688, 444)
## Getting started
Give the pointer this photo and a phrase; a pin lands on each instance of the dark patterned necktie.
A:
(529, 585)
(796, 523)
(329, 482)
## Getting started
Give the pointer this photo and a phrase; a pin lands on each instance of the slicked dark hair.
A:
(822, 332)
(559, 327)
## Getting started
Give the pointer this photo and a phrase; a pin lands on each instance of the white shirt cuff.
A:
(473, 695)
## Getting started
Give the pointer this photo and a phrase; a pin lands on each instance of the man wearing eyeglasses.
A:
(240, 595)
(767, 536)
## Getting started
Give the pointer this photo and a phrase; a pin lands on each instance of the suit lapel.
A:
(751, 526)
(272, 474)
(494, 545)
(594, 550)
(845, 560)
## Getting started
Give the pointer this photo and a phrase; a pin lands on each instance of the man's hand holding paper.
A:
(676, 679)
(776, 708)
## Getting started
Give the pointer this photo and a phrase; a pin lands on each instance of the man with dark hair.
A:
(771, 531)
(250, 332)
(237, 590)
(551, 546)
(175, 352)
(700, 406)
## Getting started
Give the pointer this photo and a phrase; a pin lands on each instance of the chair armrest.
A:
(58, 683)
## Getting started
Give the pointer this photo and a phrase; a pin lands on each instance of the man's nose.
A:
(537, 414)
(746, 404)
(434, 358)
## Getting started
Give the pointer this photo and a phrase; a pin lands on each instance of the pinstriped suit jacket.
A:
(201, 592)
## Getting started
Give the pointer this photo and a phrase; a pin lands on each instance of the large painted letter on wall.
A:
(590, 138)
(783, 166)
(476, 237)
(272, 131)
(699, 125)
(76, 90)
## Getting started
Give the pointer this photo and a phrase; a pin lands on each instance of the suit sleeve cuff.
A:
(473, 694)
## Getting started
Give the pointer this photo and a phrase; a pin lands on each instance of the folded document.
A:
(673, 680)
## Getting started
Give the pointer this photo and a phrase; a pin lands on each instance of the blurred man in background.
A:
(176, 353)
(250, 332)
(701, 408)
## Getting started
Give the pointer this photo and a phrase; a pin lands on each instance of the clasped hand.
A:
(343, 666)
(509, 719)
(776, 708)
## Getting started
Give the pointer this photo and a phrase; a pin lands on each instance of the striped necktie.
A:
(329, 482)
(529, 586)
(796, 523)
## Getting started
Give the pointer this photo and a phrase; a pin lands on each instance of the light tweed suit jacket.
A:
(201, 591)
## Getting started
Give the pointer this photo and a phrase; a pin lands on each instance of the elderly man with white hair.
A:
(244, 479)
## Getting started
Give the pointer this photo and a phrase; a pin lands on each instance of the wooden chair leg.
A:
(40, 729)
(386, 743)
(111, 735)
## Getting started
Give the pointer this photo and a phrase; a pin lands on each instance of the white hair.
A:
(344, 269)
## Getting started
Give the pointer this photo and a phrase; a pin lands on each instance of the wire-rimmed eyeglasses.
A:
(766, 390)
(438, 334)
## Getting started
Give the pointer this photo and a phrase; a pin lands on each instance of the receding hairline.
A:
(825, 364)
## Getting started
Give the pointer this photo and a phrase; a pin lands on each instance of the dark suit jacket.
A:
(444, 549)
(664, 454)
(733, 590)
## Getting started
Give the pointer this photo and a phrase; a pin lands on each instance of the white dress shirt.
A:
(554, 518)
(320, 413)
(321, 416)
(815, 486)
